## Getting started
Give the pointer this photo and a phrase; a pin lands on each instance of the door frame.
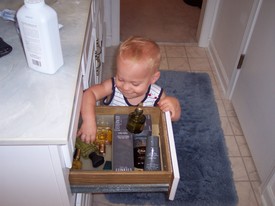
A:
(204, 32)
(243, 49)
(207, 20)
(205, 27)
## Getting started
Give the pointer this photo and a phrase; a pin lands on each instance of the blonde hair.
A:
(137, 49)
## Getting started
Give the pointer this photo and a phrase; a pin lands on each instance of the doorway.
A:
(172, 21)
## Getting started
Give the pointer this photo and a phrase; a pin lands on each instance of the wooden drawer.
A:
(95, 180)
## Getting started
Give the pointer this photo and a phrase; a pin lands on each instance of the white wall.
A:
(254, 94)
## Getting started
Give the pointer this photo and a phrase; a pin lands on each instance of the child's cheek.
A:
(118, 84)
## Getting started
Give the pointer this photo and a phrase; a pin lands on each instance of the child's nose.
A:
(126, 86)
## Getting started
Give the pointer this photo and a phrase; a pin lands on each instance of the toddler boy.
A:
(138, 60)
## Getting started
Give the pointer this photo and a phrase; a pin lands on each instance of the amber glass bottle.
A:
(136, 121)
(77, 164)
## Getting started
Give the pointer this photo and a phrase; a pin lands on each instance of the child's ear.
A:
(155, 77)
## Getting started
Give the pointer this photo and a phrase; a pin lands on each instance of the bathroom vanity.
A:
(40, 115)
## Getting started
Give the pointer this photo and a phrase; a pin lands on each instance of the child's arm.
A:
(88, 129)
(169, 103)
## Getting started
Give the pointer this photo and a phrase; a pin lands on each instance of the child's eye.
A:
(120, 80)
(135, 84)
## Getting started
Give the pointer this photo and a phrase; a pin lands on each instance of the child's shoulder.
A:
(108, 81)
(156, 87)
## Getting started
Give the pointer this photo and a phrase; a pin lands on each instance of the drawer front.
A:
(174, 159)
(101, 180)
(68, 149)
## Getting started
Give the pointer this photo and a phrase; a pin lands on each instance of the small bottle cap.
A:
(139, 110)
(34, 3)
(97, 160)
(102, 148)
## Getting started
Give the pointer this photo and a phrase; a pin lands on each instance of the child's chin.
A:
(129, 96)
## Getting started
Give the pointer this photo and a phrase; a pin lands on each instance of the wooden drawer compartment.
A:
(107, 178)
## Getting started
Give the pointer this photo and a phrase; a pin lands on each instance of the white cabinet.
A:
(93, 51)
(91, 66)
(40, 113)
(34, 175)
(83, 199)
(39, 174)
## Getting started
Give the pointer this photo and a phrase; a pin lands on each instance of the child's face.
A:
(133, 79)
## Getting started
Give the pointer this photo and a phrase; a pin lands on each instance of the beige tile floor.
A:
(190, 58)
(161, 20)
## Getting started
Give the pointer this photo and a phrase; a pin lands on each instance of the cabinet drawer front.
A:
(68, 149)
(137, 177)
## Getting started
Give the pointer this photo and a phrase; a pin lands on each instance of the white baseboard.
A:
(268, 194)
(219, 68)
(267, 199)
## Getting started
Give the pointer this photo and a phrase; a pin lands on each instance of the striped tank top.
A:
(151, 98)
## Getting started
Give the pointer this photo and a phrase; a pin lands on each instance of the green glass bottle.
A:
(136, 121)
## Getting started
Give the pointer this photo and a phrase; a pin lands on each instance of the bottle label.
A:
(38, 26)
(32, 43)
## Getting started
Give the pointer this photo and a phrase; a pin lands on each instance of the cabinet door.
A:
(87, 42)
(83, 199)
(254, 98)
(230, 34)
(90, 77)
(33, 175)
(68, 149)
(93, 53)
(100, 41)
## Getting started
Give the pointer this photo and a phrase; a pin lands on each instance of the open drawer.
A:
(104, 181)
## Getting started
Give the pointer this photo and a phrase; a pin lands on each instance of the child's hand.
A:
(87, 132)
(171, 104)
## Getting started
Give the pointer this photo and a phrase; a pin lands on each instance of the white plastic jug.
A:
(39, 31)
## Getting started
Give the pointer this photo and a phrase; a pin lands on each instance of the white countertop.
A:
(36, 108)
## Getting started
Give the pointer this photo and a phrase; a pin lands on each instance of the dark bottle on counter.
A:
(136, 121)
